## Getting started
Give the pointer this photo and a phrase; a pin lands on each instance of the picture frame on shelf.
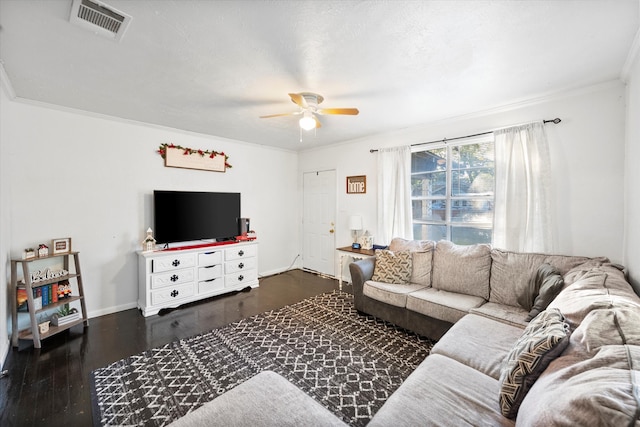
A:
(61, 246)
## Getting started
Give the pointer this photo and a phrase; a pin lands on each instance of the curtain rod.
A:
(445, 140)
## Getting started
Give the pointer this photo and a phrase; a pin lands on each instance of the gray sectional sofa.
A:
(576, 362)
(589, 375)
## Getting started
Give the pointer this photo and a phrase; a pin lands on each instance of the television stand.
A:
(176, 276)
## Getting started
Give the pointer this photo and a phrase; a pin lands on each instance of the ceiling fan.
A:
(308, 103)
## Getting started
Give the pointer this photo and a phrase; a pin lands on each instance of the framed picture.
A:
(60, 246)
(357, 184)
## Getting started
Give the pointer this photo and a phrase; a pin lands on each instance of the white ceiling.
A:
(213, 67)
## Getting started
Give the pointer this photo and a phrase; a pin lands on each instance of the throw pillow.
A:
(392, 267)
(551, 287)
(542, 288)
(542, 341)
(422, 254)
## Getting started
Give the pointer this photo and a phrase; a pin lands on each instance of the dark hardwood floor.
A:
(51, 386)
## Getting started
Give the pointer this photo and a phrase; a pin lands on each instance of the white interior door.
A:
(319, 213)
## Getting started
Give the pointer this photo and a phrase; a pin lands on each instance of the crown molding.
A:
(633, 55)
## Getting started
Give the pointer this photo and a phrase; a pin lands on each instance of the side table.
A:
(348, 251)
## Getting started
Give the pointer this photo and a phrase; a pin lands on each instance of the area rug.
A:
(348, 362)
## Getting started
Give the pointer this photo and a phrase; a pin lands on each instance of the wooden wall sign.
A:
(357, 184)
(188, 158)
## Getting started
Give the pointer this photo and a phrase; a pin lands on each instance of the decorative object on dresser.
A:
(43, 290)
(174, 277)
(149, 243)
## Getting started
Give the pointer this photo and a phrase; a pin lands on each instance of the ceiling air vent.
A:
(99, 18)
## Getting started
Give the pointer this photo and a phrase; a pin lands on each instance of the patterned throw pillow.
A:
(392, 267)
(543, 340)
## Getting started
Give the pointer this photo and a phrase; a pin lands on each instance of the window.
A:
(452, 190)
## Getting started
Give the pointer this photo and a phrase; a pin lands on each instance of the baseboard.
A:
(111, 310)
(4, 352)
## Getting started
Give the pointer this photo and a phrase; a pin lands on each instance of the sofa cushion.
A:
(601, 288)
(601, 390)
(509, 314)
(392, 267)
(462, 269)
(390, 293)
(443, 392)
(266, 399)
(615, 326)
(443, 305)
(422, 257)
(542, 341)
(479, 342)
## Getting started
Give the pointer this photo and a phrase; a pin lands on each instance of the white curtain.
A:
(394, 194)
(522, 214)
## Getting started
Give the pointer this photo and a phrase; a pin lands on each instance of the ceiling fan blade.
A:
(299, 99)
(347, 111)
(318, 124)
(279, 115)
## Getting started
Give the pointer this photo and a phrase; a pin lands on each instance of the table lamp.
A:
(355, 225)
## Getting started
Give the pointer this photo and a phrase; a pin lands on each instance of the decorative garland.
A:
(162, 150)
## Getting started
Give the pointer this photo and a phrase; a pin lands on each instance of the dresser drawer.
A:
(172, 278)
(232, 280)
(210, 258)
(210, 285)
(172, 293)
(210, 272)
(241, 252)
(173, 262)
(239, 265)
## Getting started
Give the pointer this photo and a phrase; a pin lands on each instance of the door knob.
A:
(331, 231)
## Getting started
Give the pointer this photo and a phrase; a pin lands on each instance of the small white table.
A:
(348, 251)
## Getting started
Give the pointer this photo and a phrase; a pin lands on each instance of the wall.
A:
(587, 154)
(5, 231)
(632, 176)
(91, 178)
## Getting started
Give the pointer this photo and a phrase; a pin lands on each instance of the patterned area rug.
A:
(348, 362)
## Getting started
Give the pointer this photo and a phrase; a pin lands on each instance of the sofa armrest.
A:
(361, 271)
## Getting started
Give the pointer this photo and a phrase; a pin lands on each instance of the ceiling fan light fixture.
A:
(307, 122)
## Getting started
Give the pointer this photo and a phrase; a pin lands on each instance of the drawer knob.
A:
(241, 277)
(176, 262)
(174, 293)
(174, 278)
(241, 253)
(241, 265)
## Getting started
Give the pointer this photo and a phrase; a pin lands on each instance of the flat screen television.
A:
(182, 216)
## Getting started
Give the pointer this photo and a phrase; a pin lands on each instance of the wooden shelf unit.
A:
(33, 333)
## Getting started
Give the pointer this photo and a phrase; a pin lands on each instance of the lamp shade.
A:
(355, 222)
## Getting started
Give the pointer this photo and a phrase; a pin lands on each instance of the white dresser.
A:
(174, 277)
